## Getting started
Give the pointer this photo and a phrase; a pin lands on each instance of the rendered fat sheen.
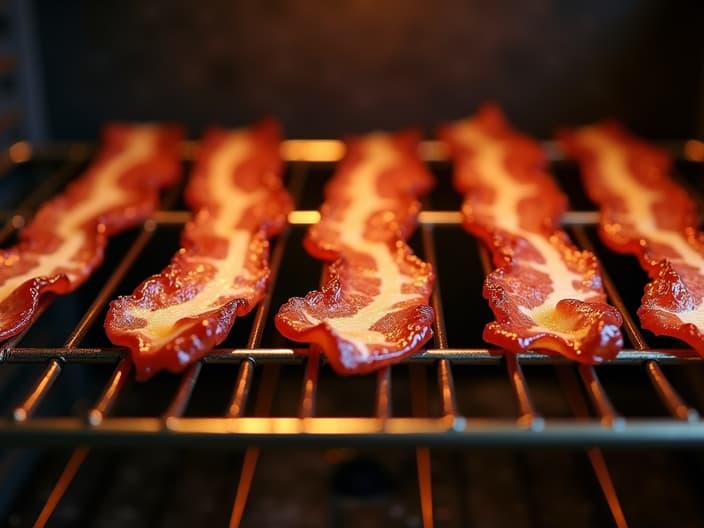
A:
(232, 203)
(489, 159)
(176, 316)
(379, 155)
(545, 293)
(141, 145)
(373, 308)
(639, 201)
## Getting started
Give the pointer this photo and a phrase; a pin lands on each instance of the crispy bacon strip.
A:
(545, 293)
(65, 241)
(373, 309)
(645, 213)
(177, 316)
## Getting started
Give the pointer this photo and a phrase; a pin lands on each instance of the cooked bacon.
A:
(65, 241)
(645, 213)
(177, 316)
(373, 308)
(545, 293)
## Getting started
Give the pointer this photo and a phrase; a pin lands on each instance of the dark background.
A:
(329, 68)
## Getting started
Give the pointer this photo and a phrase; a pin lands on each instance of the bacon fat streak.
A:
(646, 214)
(545, 293)
(177, 316)
(373, 308)
(66, 240)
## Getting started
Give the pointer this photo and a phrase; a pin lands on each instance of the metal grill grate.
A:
(595, 420)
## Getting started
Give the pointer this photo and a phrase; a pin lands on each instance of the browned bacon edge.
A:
(184, 277)
(144, 180)
(350, 271)
(673, 288)
(585, 330)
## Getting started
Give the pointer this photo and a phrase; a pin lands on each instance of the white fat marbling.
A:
(489, 157)
(639, 200)
(232, 202)
(103, 196)
(379, 155)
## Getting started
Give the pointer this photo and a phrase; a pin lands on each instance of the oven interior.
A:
(257, 435)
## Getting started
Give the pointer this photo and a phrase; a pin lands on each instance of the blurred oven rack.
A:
(595, 421)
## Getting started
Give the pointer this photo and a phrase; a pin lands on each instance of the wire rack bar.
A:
(596, 458)
(383, 393)
(242, 386)
(440, 333)
(336, 431)
(599, 397)
(475, 356)
(425, 486)
(332, 150)
(431, 218)
(310, 386)
(419, 405)
(62, 484)
(249, 466)
(112, 389)
(528, 416)
(26, 409)
(262, 407)
(79, 455)
(180, 401)
(447, 389)
(445, 378)
(673, 401)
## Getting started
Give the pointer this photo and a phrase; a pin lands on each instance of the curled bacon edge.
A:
(147, 178)
(204, 331)
(526, 162)
(411, 327)
(667, 292)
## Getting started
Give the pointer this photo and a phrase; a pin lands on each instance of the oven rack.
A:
(595, 419)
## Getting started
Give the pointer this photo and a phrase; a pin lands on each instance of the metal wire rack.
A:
(595, 421)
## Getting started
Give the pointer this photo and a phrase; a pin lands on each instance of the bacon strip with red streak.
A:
(645, 213)
(373, 308)
(175, 317)
(545, 293)
(66, 240)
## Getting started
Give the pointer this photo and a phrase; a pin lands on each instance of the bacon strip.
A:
(66, 240)
(177, 316)
(373, 309)
(646, 214)
(545, 293)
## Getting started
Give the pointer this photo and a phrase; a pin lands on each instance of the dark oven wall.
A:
(329, 68)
